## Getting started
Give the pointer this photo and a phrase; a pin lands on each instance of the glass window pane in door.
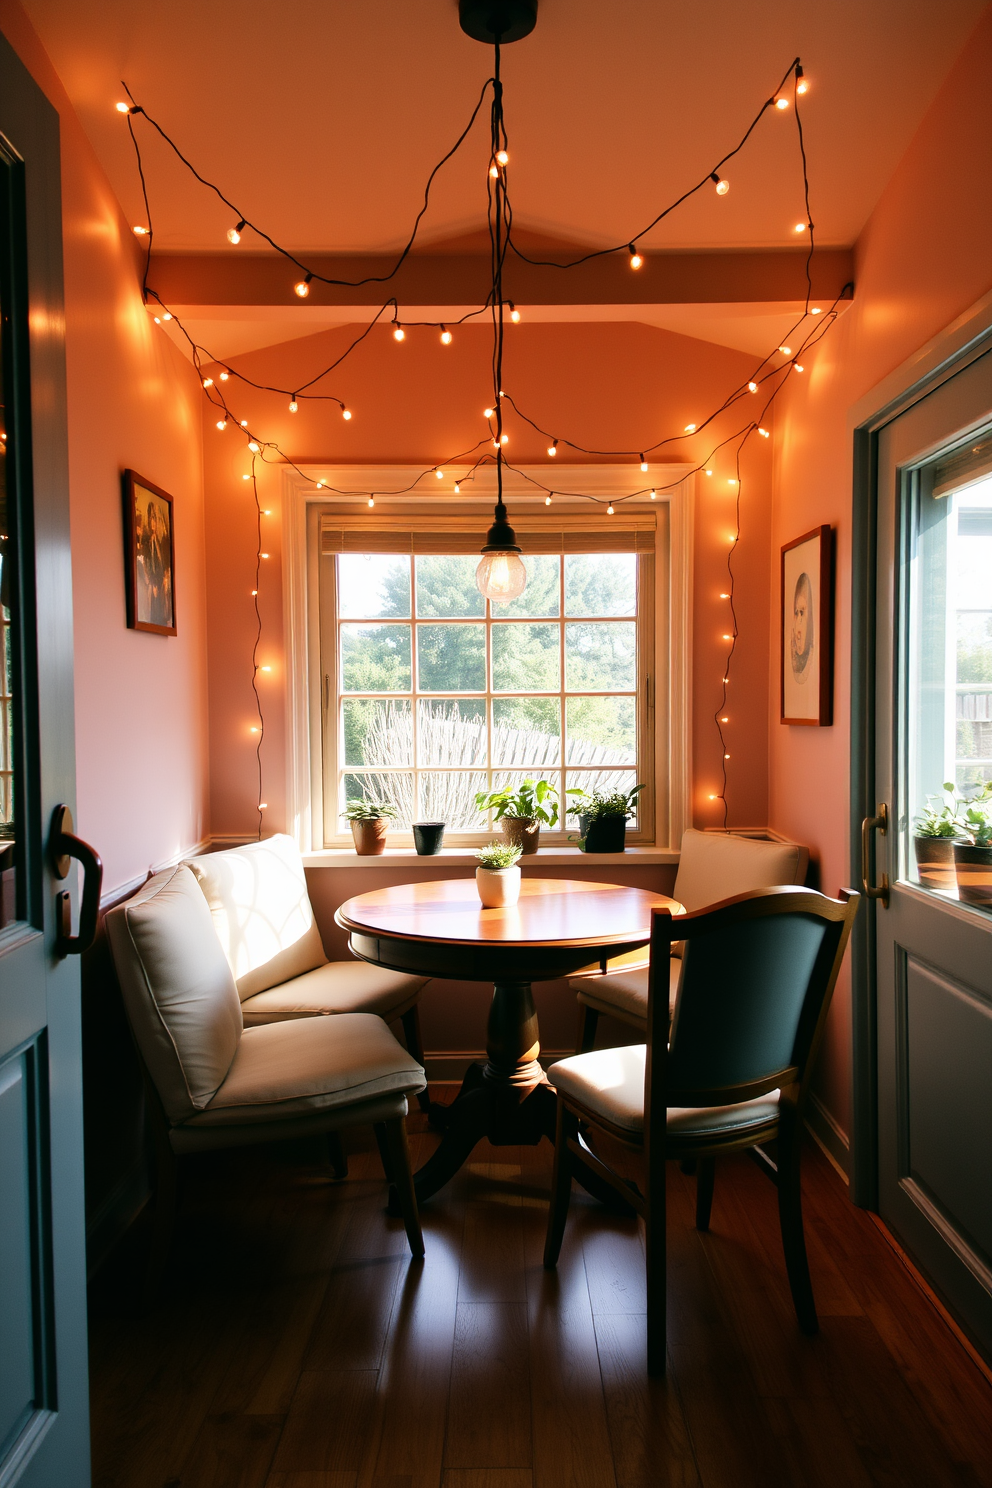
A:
(9, 799)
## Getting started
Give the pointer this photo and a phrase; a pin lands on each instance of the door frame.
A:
(948, 353)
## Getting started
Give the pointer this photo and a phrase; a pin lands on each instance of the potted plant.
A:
(603, 818)
(522, 811)
(973, 852)
(497, 876)
(369, 824)
(934, 831)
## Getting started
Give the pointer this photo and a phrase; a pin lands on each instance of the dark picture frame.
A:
(149, 556)
(807, 634)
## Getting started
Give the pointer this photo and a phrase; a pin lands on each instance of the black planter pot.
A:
(935, 862)
(973, 867)
(603, 834)
(428, 838)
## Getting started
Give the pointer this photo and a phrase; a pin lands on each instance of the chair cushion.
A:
(284, 1070)
(337, 987)
(713, 867)
(261, 911)
(625, 993)
(610, 1083)
(179, 993)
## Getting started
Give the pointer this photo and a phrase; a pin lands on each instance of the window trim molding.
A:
(301, 502)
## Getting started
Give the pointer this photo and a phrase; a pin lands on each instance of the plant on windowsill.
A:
(497, 877)
(973, 850)
(933, 833)
(369, 825)
(603, 818)
(521, 812)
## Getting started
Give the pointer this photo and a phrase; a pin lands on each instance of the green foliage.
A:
(592, 805)
(533, 800)
(368, 810)
(497, 855)
(938, 821)
(975, 819)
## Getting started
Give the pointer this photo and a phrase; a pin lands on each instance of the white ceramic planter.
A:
(498, 887)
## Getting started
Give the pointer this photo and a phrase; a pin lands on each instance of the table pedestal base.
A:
(507, 1100)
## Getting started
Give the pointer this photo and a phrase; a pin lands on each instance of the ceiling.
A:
(321, 120)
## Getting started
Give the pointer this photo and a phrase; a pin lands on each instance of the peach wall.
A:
(141, 724)
(924, 256)
(421, 403)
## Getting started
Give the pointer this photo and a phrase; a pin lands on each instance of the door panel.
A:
(44, 1440)
(933, 951)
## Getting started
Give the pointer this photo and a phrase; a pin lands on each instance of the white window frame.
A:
(302, 507)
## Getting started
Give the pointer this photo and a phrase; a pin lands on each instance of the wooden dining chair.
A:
(758, 972)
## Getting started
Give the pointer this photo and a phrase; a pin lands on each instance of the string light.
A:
(799, 367)
(763, 432)
(553, 448)
(644, 465)
(399, 334)
(722, 185)
(346, 415)
(208, 382)
(167, 315)
(690, 428)
(234, 233)
(244, 423)
(494, 172)
(302, 286)
(547, 500)
(446, 336)
(514, 313)
(488, 413)
(786, 350)
(815, 310)
(457, 489)
(140, 232)
(122, 108)
(802, 84)
(502, 157)
(225, 376)
(371, 501)
(254, 449)
(504, 439)
(752, 387)
(222, 424)
(654, 495)
(439, 474)
(707, 472)
(800, 227)
(293, 405)
(782, 104)
(635, 258)
(609, 510)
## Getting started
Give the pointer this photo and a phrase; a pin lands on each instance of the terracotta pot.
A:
(498, 887)
(605, 834)
(973, 867)
(523, 832)
(935, 862)
(370, 836)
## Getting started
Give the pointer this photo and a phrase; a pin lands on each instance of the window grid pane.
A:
(435, 705)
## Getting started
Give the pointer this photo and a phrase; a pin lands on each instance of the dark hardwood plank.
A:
(329, 1420)
(648, 1432)
(489, 1477)
(489, 1406)
(312, 1480)
(232, 1451)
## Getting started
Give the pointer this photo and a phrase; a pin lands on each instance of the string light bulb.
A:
(722, 185)
(371, 501)
(802, 82)
(654, 495)
(763, 432)
(504, 439)
(346, 415)
(609, 510)
(222, 424)
(781, 104)
(293, 405)
(439, 474)
(547, 500)
(166, 314)
(234, 233)
(690, 428)
(399, 334)
(122, 108)
(302, 286)
(799, 366)
(816, 310)
(644, 465)
(553, 448)
(494, 171)
(253, 446)
(208, 382)
(487, 413)
(244, 423)
(707, 472)
(140, 232)
(514, 313)
(635, 258)
(752, 387)
(458, 489)
(501, 575)
(225, 377)
(446, 337)
(786, 350)
(800, 227)
(502, 157)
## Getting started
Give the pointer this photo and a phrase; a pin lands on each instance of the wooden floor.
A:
(297, 1345)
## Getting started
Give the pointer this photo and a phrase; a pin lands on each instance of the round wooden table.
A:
(441, 930)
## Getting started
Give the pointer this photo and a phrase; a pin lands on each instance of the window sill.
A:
(457, 857)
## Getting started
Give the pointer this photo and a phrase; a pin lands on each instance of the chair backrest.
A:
(179, 994)
(714, 866)
(261, 911)
(758, 973)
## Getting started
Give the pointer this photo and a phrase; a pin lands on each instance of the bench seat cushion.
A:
(336, 987)
(298, 1067)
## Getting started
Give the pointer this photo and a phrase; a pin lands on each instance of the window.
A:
(431, 694)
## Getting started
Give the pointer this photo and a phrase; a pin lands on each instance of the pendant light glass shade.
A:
(501, 576)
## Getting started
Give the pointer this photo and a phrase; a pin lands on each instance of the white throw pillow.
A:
(261, 912)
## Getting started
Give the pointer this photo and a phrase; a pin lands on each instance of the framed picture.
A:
(149, 556)
(808, 629)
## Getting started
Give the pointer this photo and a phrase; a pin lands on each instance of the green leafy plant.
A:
(938, 821)
(594, 804)
(535, 800)
(368, 810)
(497, 855)
(976, 821)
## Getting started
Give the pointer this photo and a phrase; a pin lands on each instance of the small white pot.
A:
(498, 887)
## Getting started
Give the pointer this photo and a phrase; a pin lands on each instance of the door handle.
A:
(63, 846)
(879, 823)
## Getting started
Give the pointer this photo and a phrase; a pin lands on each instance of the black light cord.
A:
(258, 639)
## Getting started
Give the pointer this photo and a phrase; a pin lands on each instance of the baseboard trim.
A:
(449, 1066)
(116, 895)
(831, 1138)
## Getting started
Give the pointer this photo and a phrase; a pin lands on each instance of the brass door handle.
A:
(879, 823)
(63, 845)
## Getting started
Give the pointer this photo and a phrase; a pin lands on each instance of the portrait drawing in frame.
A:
(807, 629)
(149, 556)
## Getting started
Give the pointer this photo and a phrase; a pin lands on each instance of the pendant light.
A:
(501, 575)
